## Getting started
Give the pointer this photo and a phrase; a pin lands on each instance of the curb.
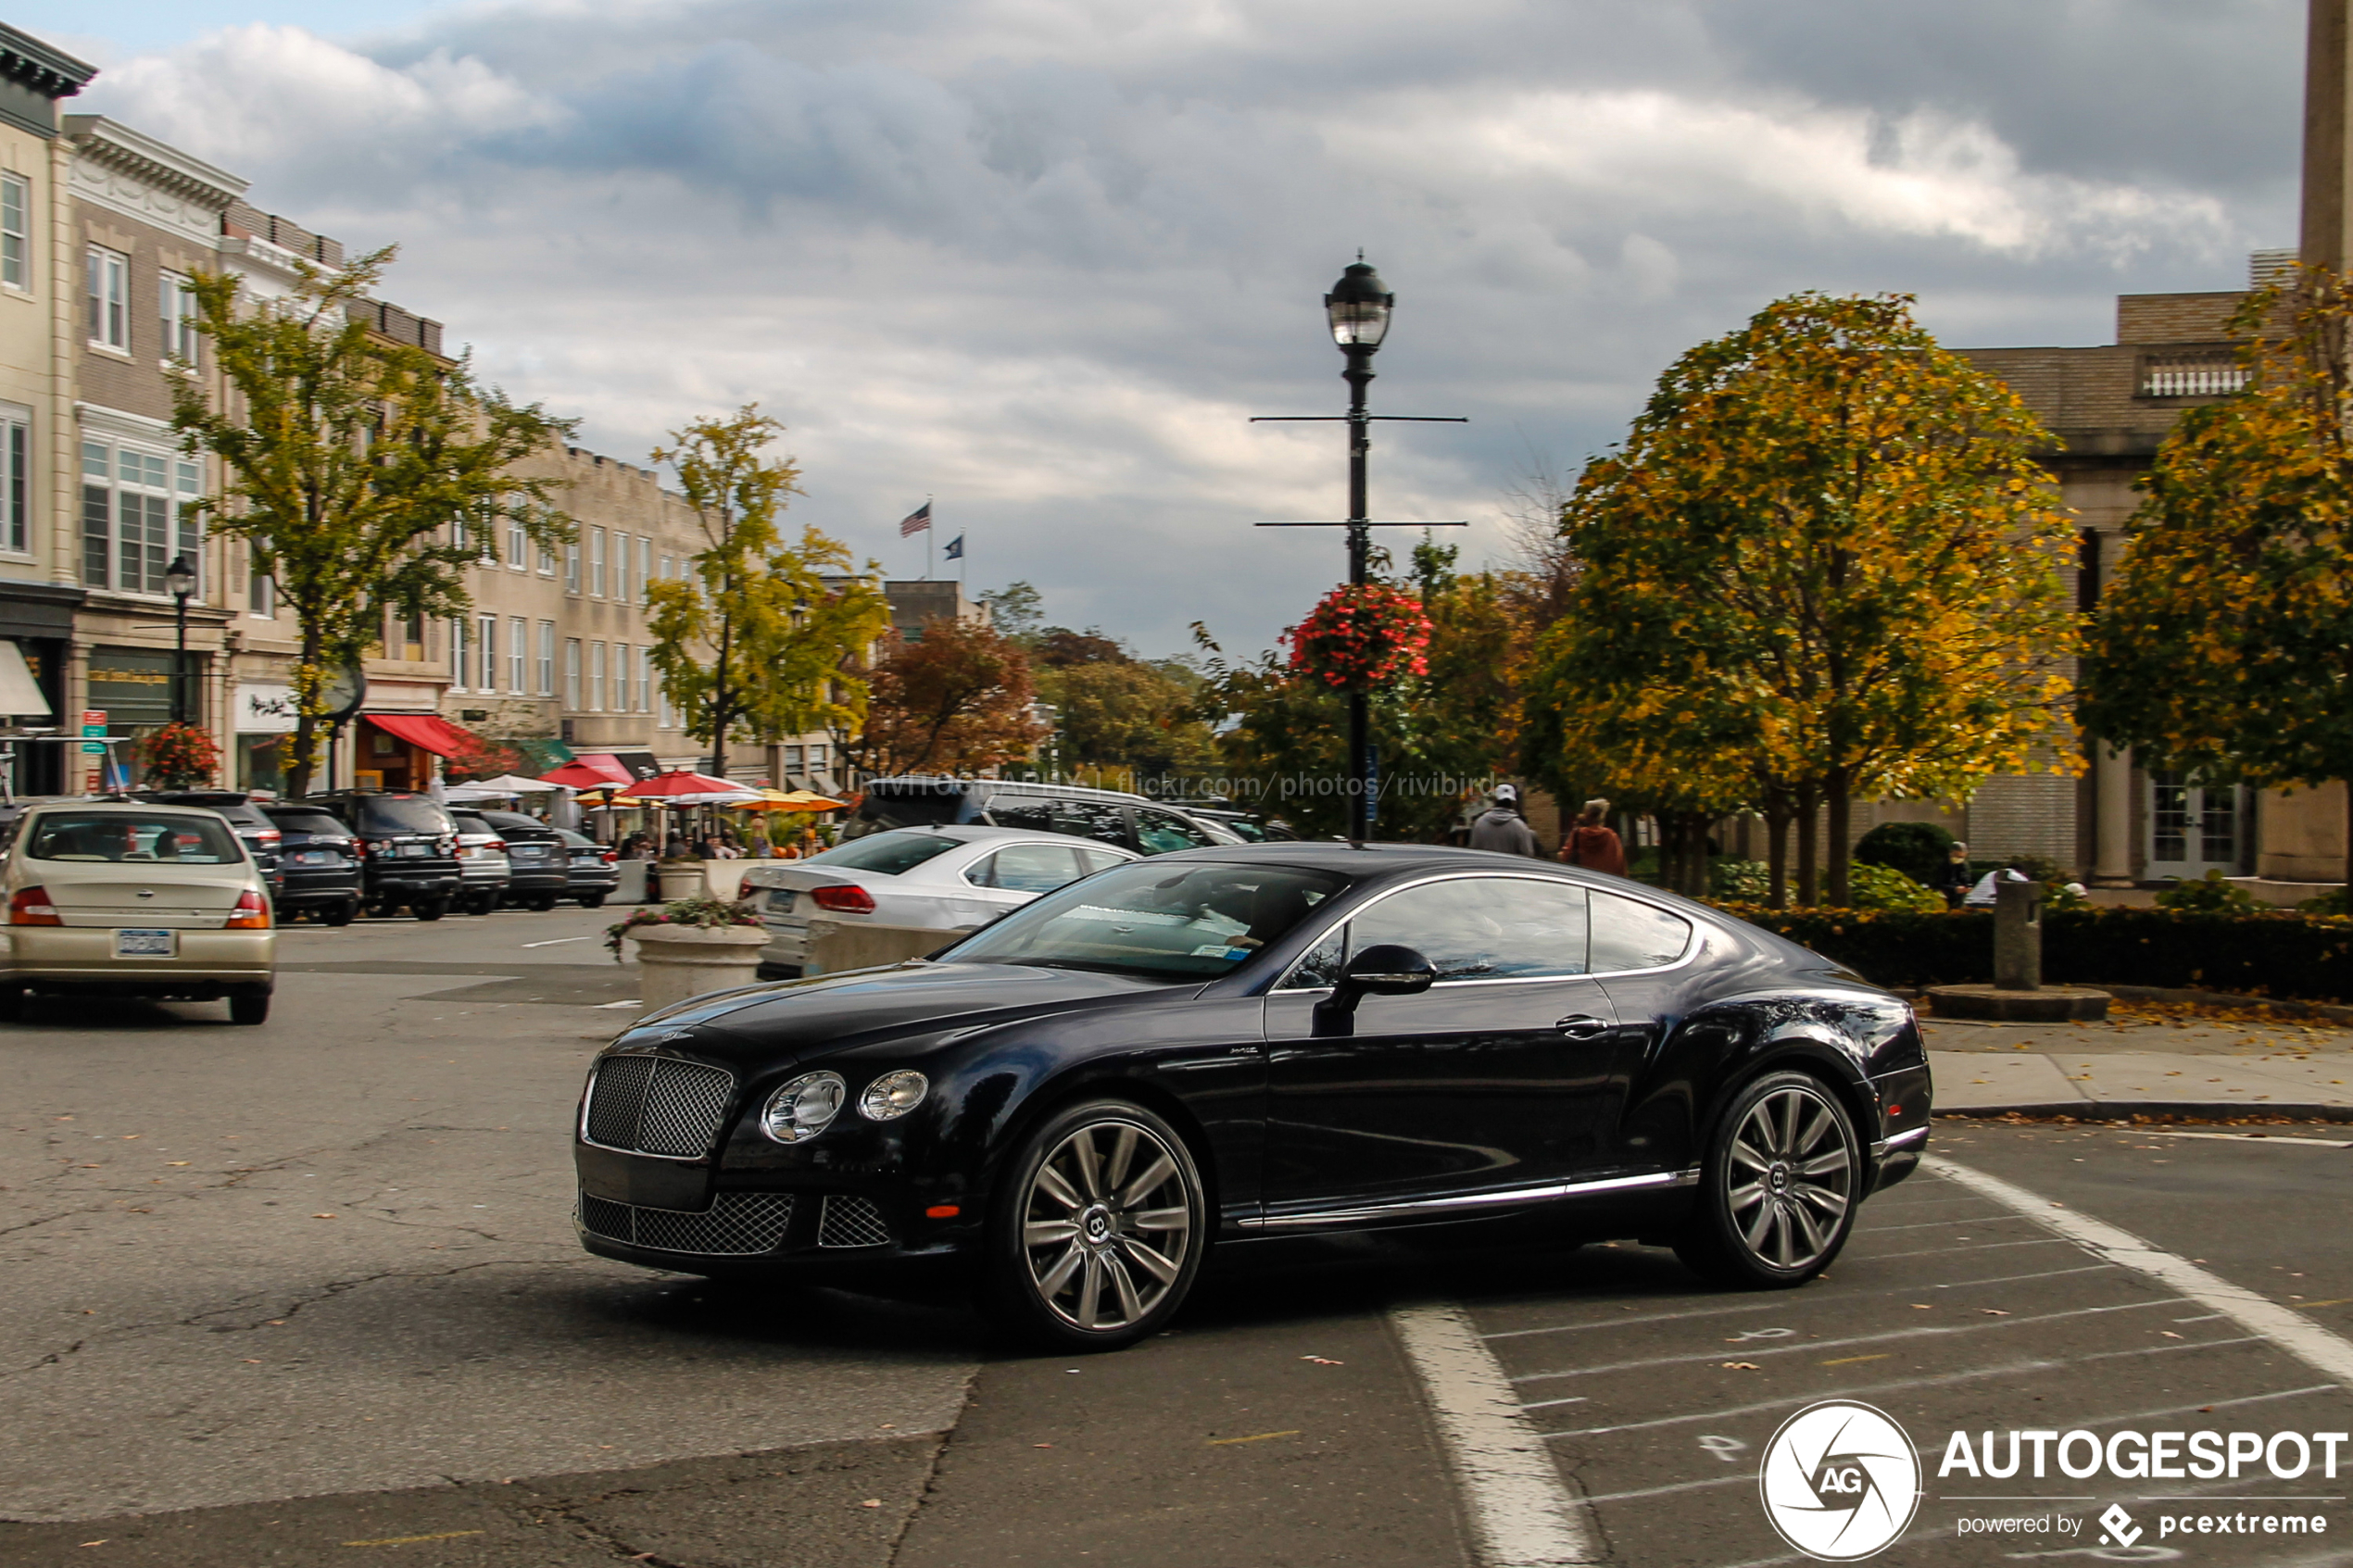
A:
(2167, 1110)
(2285, 1007)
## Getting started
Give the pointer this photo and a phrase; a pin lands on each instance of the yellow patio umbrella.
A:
(788, 800)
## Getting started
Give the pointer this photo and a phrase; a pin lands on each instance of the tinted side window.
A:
(1483, 928)
(1162, 833)
(1027, 868)
(1092, 819)
(1630, 934)
(1321, 964)
(1025, 811)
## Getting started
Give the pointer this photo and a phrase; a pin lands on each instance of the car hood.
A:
(837, 1012)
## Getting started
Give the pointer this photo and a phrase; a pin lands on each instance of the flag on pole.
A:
(916, 521)
(955, 549)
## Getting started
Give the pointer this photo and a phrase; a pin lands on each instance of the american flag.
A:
(916, 521)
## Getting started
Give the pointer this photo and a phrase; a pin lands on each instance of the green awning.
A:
(542, 754)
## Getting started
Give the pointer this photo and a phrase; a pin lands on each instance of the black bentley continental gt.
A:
(1243, 1042)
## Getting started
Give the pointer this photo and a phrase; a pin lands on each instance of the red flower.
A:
(1361, 636)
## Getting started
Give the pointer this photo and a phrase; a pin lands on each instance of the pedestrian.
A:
(1501, 827)
(1952, 877)
(1592, 843)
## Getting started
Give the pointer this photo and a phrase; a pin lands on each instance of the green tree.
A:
(2225, 644)
(755, 644)
(1014, 610)
(1823, 566)
(355, 467)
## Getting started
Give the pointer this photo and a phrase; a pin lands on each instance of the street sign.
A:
(93, 722)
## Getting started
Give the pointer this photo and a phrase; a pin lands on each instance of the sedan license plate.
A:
(146, 944)
(415, 851)
(780, 901)
(309, 858)
(527, 851)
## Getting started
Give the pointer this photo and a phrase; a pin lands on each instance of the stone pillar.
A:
(2018, 935)
(2327, 238)
(2112, 818)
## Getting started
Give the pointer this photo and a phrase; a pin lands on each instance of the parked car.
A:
(1106, 816)
(408, 848)
(1262, 1040)
(539, 866)
(135, 898)
(484, 874)
(1251, 827)
(591, 870)
(946, 879)
(246, 817)
(317, 863)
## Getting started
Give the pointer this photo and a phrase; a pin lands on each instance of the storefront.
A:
(396, 751)
(132, 687)
(36, 641)
(265, 715)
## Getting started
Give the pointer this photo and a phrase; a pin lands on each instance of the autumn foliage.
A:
(955, 699)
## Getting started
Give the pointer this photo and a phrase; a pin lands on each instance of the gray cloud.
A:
(1042, 258)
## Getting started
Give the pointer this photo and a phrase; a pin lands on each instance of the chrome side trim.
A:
(1471, 1203)
(1905, 1140)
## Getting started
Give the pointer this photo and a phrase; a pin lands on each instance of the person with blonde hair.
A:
(1593, 844)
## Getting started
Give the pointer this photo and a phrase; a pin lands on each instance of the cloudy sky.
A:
(1041, 258)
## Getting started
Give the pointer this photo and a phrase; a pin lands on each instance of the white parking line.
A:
(1940, 1251)
(1769, 1306)
(1521, 1513)
(2285, 1327)
(555, 941)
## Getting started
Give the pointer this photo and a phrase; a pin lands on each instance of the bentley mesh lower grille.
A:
(851, 1221)
(736, 1222)
(656, 1105)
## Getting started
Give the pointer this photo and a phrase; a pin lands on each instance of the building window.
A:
(571, 567)
(517, 652)
(597, 677)
(665, 569)
(596, 562)
(571, 673)
(669, 710)
(546, 659)
(546, 562)
(816, 759)
(460, 676)
(16, 231)
(135, 517)
(518, 545)
(176, 304)
(261, 591)
(487, 653)
(15, 479)
(644, 680)
(109, 297)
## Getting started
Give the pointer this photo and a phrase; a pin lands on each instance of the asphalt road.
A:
(200, 1367)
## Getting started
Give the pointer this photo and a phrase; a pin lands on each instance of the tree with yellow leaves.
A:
(2225, 644)
(1823, 566)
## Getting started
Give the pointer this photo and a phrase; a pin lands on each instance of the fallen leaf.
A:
(176, 1162)
(102, 1539)
(1993, 1311)
(2168, 1333)
(1741, 1366)
(870, 1502)
(1323, 1360)
(323, 1216)
(1041, 1445)
(1922, 1307)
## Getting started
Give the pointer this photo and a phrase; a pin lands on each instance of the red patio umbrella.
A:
(582, 772)
(687, 787)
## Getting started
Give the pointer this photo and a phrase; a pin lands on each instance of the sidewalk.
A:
(2150, 1061)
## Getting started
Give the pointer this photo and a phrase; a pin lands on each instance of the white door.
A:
(2193, 828)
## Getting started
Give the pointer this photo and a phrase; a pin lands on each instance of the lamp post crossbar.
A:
(1358, 310)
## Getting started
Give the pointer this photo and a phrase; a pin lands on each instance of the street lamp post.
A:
(179, 581)
(1358, 310)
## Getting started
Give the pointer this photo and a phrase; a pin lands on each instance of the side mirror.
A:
(1389, 969)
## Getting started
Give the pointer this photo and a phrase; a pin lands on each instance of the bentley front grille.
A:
(849, 1221)
(656, 1105)
(736, 1222)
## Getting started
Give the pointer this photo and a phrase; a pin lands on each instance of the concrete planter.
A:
(679, 961)
(678, 879)
(839, 945)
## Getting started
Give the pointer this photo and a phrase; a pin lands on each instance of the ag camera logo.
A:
(1839, 1481)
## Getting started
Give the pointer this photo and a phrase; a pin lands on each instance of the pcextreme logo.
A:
(1839, 1481)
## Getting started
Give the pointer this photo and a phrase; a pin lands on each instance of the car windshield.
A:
(887, 854)
(402, 813)
(1171, 923)
(129, 835)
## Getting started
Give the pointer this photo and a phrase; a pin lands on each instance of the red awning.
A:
(591, 770)
(436, 735)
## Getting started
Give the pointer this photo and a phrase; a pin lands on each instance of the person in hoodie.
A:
(1501, 827)
(1593, 844)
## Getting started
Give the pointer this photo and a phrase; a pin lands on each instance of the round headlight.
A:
(804, 1108)
(893, 1095)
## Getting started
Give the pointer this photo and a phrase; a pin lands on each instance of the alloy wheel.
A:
(1789, 1178)
(1107, 1226)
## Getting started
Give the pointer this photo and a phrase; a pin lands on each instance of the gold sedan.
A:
(120, 898)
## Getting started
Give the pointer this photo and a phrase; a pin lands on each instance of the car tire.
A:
(592, 901)
(483, 903)
(341, 914)
(1078, 1252)
(1779, 1187)
(249, 1006)
(12, 1003)
(542, 902)
(430, 908)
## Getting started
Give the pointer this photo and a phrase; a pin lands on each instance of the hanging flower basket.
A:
(1361, 636)
(180, 757)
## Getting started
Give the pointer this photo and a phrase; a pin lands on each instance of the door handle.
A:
(1583, 1026)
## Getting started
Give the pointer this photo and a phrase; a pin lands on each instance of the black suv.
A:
(319, 860)
(245, 819)
(539, 855)
(408, 849)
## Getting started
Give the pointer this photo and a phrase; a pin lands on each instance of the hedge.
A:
(2277, 953)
